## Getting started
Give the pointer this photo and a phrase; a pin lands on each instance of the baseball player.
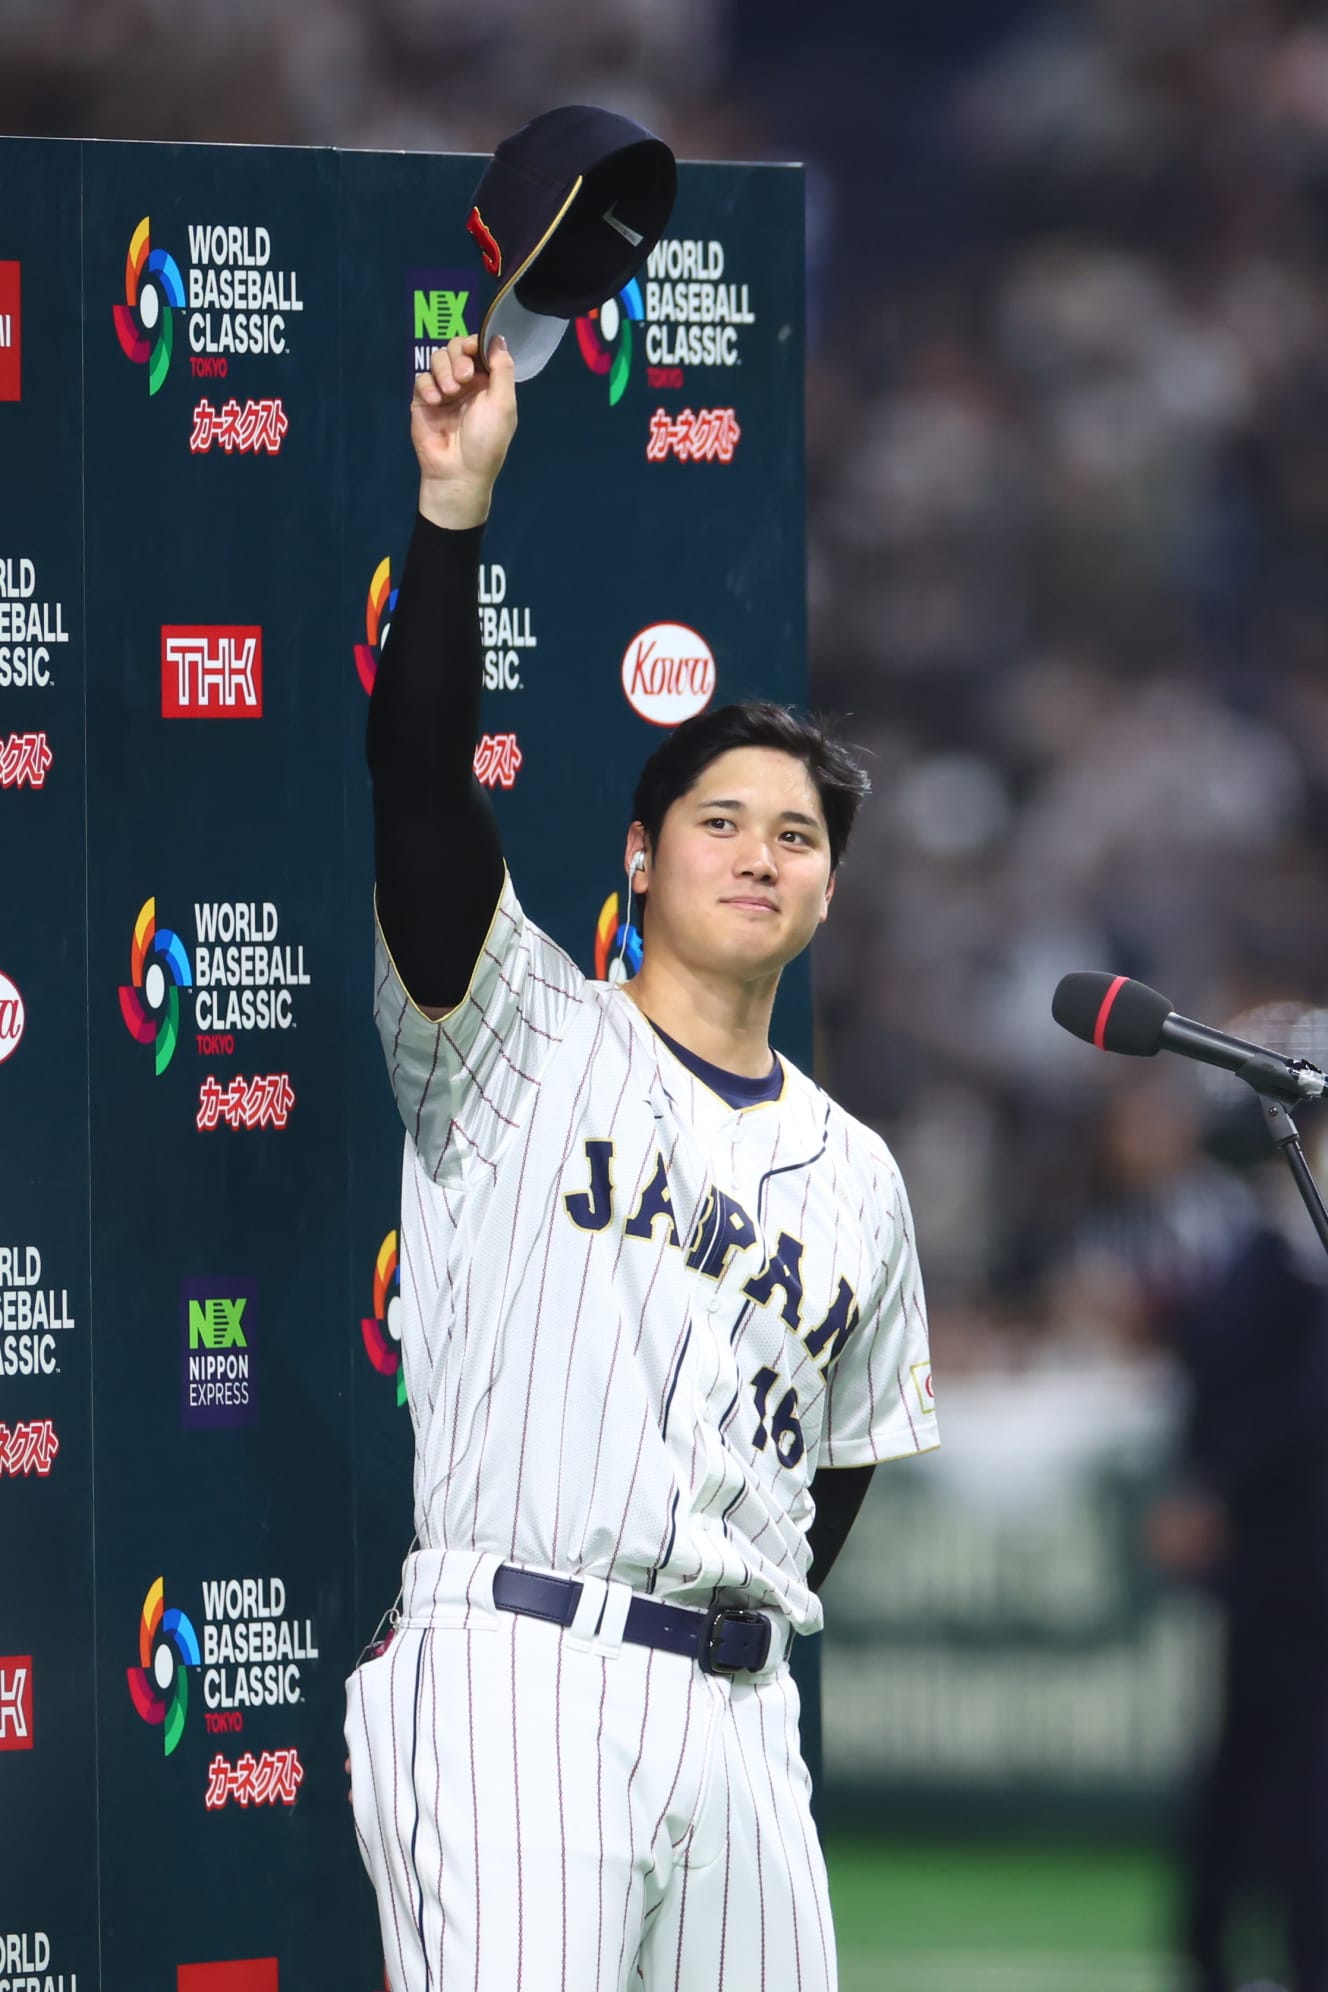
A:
(662, 1317)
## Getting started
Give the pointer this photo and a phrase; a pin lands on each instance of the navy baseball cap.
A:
(566, 213)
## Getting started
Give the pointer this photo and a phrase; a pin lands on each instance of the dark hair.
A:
(673, 768)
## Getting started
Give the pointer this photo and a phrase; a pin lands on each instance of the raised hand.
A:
(462, 421)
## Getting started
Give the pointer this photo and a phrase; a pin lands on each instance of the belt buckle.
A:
(756, 1641)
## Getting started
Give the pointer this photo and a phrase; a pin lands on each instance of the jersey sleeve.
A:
(879, 1404)
(465, 1082)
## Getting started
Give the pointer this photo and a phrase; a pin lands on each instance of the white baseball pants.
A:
(544, 1810)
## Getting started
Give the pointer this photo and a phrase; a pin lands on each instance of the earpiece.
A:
(638, 864)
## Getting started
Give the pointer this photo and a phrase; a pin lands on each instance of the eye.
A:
(723, 821)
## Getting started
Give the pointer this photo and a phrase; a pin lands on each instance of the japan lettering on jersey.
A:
(636, 1319)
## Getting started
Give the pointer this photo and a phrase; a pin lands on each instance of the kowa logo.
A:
(11, 332)
(150, 1001)
(210, 671)
(154, 291)
(13, 1016)
(167, 1647)
(668, 673)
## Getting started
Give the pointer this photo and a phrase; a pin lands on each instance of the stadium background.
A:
(1066, 457)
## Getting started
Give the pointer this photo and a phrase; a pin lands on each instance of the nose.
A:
(756, 859)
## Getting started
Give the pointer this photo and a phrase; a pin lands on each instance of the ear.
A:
(829, 895)
(636, 848)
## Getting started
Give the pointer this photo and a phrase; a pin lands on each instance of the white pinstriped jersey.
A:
(636, 1319)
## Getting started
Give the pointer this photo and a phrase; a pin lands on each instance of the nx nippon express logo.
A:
(167, 1646)
(15, 1701)
(236, 1974)
(668, 673)
(159, 970)
(154, 291)
(377, 621)
(211, 671)
(438, 302)
(382, 1332)
(11, 332)
(218, 1389)
(13, 1016)
(618, 945)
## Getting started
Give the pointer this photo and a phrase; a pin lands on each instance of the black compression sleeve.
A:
(838, 1492)
(438, 858)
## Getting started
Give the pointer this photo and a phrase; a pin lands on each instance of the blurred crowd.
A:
(1069, 515)
(1068, 451)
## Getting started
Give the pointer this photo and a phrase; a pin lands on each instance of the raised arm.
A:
(438, 859)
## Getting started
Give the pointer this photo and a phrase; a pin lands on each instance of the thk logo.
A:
(211, 672)
(11, 333)
(16, 1701)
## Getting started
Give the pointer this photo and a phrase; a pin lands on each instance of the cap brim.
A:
(532, 336)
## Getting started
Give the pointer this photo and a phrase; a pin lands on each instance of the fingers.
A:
(502, 373)
(455, 371)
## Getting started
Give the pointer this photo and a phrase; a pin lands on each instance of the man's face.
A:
(740, 877)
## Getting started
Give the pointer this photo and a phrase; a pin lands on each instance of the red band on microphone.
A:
(1100, 1027)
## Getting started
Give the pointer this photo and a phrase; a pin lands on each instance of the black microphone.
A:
(1117, 1014)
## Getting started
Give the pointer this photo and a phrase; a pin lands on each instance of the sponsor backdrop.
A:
(206, 492)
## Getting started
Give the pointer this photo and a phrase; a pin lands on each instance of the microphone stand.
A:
(1282, 1133)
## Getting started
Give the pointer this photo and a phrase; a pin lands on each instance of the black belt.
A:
(727, 1640)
